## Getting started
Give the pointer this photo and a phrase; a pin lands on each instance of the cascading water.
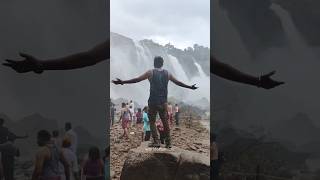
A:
(295, 40)
(129, 61)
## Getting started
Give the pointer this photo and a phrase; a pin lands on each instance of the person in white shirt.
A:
(71, 159)
(132, 116)
(131, 104)
(72, 135)
(176, 115)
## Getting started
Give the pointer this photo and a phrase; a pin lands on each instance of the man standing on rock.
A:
(159, 79)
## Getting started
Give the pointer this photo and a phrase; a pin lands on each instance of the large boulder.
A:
(144, 163)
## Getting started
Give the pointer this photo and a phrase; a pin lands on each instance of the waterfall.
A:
(129, 61)
(295, 39)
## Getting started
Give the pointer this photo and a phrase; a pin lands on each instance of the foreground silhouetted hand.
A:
(267, 83)
(117, 81)
(194, 87)
(29, 64)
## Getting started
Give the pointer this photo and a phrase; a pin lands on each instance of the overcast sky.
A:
(180, 22)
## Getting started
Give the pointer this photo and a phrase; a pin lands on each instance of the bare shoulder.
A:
(43, 152)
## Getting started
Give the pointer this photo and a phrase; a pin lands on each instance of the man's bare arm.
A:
(144, 76)
(228, 72)
(179, 83)
(93, 56)
(88, 58)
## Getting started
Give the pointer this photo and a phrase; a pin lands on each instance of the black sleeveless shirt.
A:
(158, 87)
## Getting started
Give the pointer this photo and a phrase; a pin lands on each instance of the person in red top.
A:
(139, 117)
(160, 129)
(93, 168)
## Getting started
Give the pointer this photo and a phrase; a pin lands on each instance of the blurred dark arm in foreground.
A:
(228, 72)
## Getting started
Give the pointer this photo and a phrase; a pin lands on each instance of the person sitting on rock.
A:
(124, 119)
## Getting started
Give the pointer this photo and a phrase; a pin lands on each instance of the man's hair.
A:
(1, 121)
(158, 62)
(213, 137)
(44, 136)
(94, 153)
(55, 133)
(68, 125)
(145, 108)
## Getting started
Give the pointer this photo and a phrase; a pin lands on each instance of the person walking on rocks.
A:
(157, 103)
(124, 118)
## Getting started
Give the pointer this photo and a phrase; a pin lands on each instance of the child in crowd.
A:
(93, 168)
(146, 125)
(161, 130)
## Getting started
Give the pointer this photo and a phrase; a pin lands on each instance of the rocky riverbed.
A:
(193, 138)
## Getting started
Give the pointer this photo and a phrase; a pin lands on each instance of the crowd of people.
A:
(56, 157)
(139, 117)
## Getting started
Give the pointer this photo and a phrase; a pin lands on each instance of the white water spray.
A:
(125, 66)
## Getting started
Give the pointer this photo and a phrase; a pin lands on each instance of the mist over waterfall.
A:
(130, 59)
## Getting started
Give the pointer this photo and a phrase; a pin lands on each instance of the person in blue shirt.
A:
(146, 125)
